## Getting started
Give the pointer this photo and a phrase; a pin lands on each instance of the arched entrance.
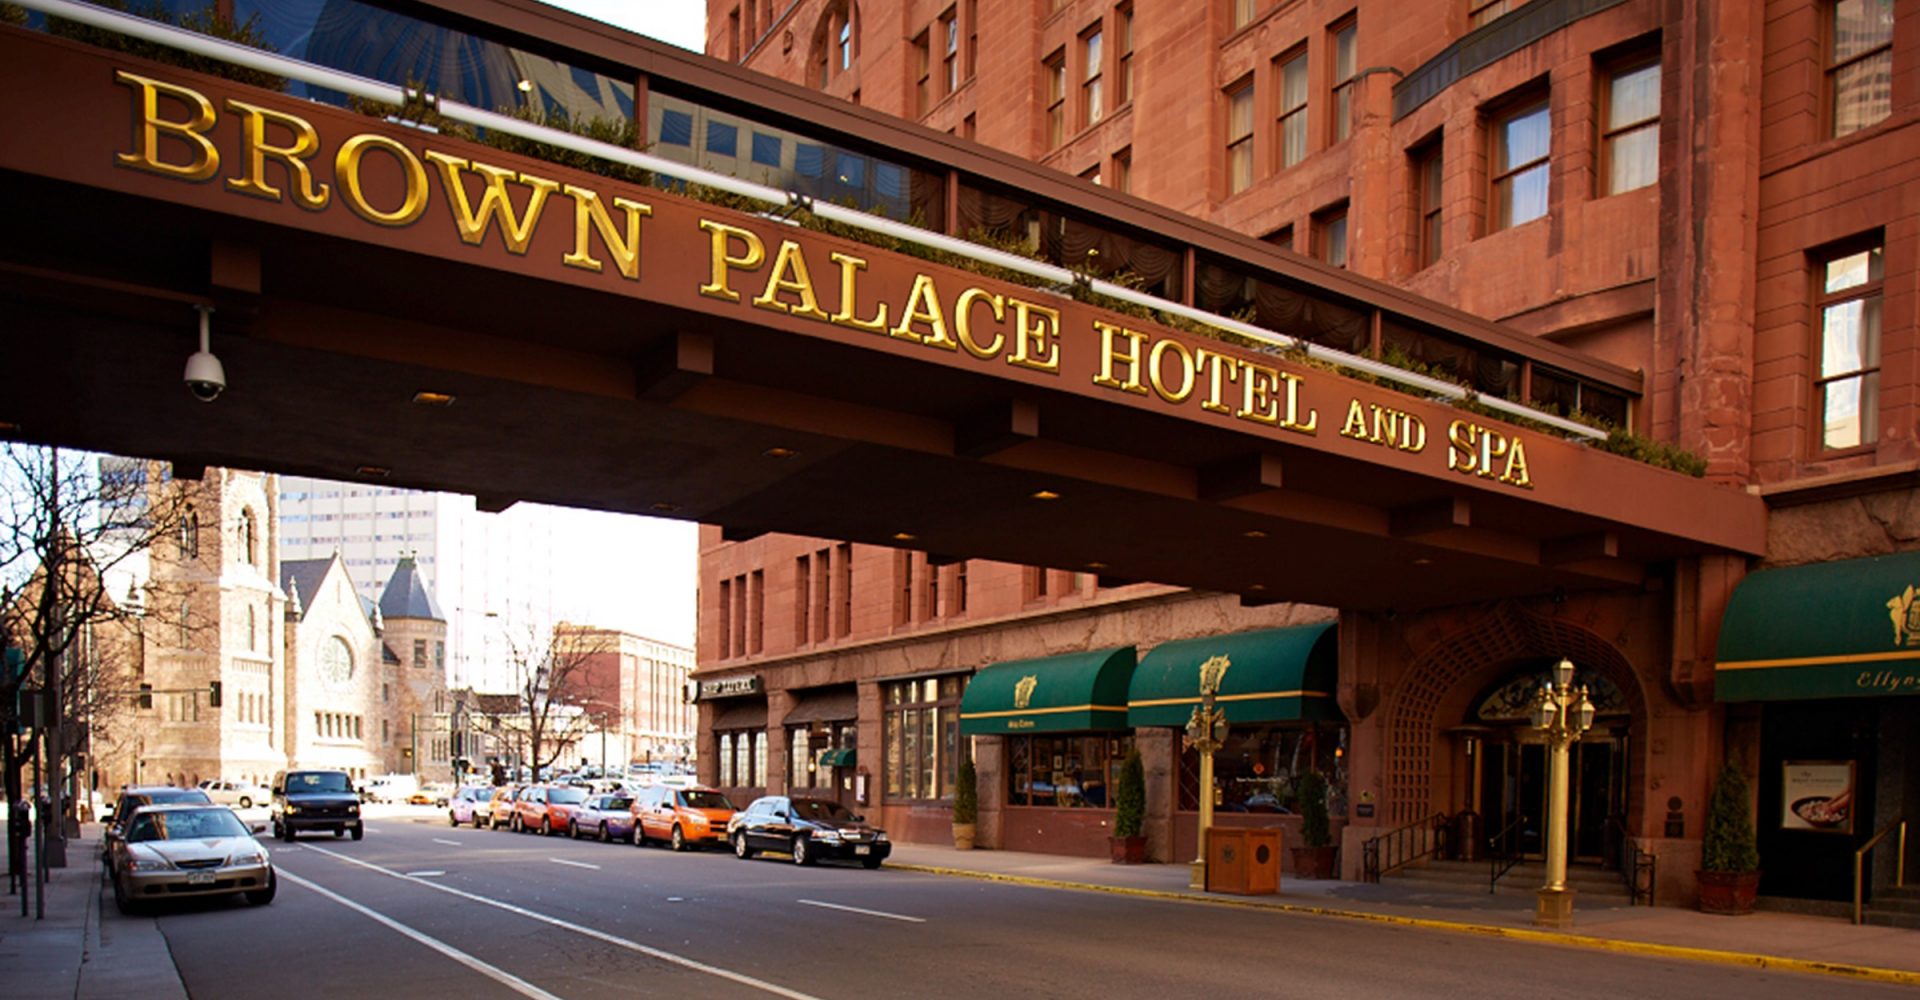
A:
(1457, 738)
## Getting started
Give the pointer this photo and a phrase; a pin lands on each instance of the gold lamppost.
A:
(1561, 712)
(1206, 734)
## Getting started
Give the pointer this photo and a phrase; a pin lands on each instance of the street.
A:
(419, 909)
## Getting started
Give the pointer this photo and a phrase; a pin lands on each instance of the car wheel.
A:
(286, 832)
(246, 802)
(359, 831)
(513, 823)
(546, 827)
(740, 848)
(122, 901)
(679, 838)
(261, 897)
(573, 830)
(339, 832)
(452, 820)
(871, 863)
(606, 836)
(802, 854)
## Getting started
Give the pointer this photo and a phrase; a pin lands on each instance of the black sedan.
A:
(809, 829)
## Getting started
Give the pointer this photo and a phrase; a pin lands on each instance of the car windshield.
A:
(190, 795)
(318, 781)
(618, 802)
(821, 812)
(186, 824)
(567, 796)
(704, 800)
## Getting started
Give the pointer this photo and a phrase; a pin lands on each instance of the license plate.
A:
(863, 849)
(199, 878)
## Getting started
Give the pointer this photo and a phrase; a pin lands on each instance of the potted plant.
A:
(1315, 858)
(1130, 813)
(1729, 859)
(966, 806)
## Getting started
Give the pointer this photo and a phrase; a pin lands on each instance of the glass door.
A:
(1514, 782)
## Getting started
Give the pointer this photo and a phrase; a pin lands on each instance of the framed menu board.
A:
(1817, 795)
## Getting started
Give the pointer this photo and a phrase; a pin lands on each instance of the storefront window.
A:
(922, 735)
(1257, 768)
(1065, 772)
(804, 751)
(743, 758)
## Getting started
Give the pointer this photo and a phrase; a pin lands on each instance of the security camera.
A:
(206, 378)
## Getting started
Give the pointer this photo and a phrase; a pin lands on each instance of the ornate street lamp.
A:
(1206, 734)
(1561, 712)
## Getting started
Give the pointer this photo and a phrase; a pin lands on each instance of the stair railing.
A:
(1860, 858)
(1503, 853)
(1638, 868)
(1401, 846)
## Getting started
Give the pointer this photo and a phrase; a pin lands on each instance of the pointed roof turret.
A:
(407, 595)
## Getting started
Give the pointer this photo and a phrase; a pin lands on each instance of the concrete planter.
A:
(1315, 862)
(963, 836)
(1128, 850)
(1728, 893)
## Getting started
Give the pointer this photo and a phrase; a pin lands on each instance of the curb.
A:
(1862, 973)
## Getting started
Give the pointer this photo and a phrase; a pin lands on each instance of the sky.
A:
(682, 22)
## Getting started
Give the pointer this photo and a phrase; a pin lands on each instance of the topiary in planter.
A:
(1729, 859)
(1311, 790)
(1130, 799)
(966, 806)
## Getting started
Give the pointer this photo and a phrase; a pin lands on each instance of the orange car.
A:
(545, 809)
(682, 817)
(499, 811)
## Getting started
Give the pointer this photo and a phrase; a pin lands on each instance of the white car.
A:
(244, 794)
(389, 788)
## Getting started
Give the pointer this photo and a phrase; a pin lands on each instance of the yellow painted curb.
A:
(1864, 973)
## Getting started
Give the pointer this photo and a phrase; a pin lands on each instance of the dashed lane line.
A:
(598, 935)
(573, 864)
(870, 913)
(495, 973)
(449, 843)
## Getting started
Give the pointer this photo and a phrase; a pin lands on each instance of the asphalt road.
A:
(419, 910)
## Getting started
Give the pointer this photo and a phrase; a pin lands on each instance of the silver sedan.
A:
(176, 851)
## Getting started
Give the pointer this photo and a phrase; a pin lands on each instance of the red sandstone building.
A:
(1717, 198)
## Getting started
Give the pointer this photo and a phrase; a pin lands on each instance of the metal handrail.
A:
(386, 93)
(1499, 851)
(1399, 844)
(1899, 862)
(1633, 862)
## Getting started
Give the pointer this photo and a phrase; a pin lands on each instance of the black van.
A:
(315, 800)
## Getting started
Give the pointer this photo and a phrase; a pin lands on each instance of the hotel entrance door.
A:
(1514, 791)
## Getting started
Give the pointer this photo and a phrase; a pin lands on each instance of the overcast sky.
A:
(682, 22)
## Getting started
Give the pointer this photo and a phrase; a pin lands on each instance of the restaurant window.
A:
(920, 725)
(1092, 99)
(1292, 131)
(1123, 67)
(743, 758)
(805, 746)
(1563, 393)
(1056, 73)
(1258, 768)
(1848, 389)
(1630, 136)
(1521, 142)
(1069, 771)
(1330, 235)
(950, 50)
(1428, 174)
(1487, 11)
(1240, 14)
(1860, 63)
(1240, 136)
(1345, 58)
(923, 74)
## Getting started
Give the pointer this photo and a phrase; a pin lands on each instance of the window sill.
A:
(1900, 119)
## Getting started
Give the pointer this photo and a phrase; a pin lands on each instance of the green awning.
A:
(1830, 630)
(1072, 693)
(1274, 675)
(837, 757)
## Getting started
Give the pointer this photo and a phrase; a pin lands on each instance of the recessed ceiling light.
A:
(1423, 561)
(665, 508)
(779, 453)
(425, 398)
(1255, 533)
(1258, 586)
(8, 427)
(1045, 495)
(374, 471)
(1096, 566)
(904, 536)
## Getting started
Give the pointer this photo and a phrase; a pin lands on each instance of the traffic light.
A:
(145, 698)
(213, 694)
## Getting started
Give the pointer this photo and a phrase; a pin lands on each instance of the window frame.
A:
(1869, 372)
(1054, 69)
(1241, 13)
(1429, 201)
(1239, 145)
(1123, 54)
(949, 24)
(1092, 97)
(902, 701)
(1327, 221)
(1610, 132)
(923, 73)
(1285, 119)
(1481, 13)
(1510, 112)
(1344, 39)
(1831, 69)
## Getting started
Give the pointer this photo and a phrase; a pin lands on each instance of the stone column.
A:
(1159, 755)
(990, 769)
(779, 703)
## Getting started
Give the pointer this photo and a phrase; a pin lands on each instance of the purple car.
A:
(608, 817)
(469, 806)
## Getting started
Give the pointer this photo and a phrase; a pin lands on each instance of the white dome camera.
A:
(206, 378)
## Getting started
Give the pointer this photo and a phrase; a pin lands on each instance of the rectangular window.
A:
(1330, 235)
(960, 589)
(1240, 14)
(1282, 238)
(802, 600)
(933, 608)
(1630, 140)
(950, 51)
(1092, 99)
(973, 38)
(1848, 389)
(1345, 39)
(419, 654)
(1034, 583)
(733, 34)
(1259, 768)
(1427, 177)
(822, 603)
(1487, 11)
(1123, 68)
(756, 611)
(1521, 142)
(1123, 171)
(843, 590)
(726, 619)
(1055, 69)
(1292, 133)
(923, 74)
(740, 615)
(968, 127)
(1065, 772)
(921, 730)
(902, 587)
(1240, 136)
(1860, 63)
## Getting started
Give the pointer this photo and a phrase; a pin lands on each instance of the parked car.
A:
(499, 810)
(683, 817)
(433, 793)
(545, 809)
(132, 797)
(177, 850)
(388, 788)
(244, 794)
(315, 800)
(608, 816)
(810, 829)
(469, 805)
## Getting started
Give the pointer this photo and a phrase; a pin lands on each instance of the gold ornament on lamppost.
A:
(1561, 712)
(1206, 734)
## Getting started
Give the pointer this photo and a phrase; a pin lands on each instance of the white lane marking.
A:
(856, 909)
(499, 975)
(429, 873)
(576, 864)
(449, 843)
(598, 935)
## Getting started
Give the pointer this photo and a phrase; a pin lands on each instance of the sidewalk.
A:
(1763, 940)
(77, 951)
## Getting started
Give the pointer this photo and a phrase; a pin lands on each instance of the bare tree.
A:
(550, 668)
(70, 522)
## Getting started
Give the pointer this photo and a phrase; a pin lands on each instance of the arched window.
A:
(836, 42)
(246, 537)
(190, 534)
(336, 661)
(253, 631)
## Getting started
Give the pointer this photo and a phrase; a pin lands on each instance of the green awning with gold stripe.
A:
(1076, 692)
(1274, 675)
(1849, 628)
